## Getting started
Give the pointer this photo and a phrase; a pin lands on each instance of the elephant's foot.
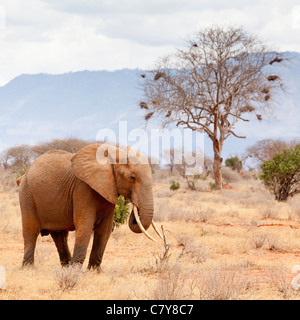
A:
(78, 255)
(28, 259)
(95, 267)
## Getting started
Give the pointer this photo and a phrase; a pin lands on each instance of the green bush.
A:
(281, 174)
(212, 185)
(121, 212)
(234, 163)
(174, 185)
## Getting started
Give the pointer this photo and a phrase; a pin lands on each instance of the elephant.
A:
(63, 192)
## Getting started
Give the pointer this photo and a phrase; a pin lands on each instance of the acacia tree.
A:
(222, 76)
(17, 157)
(69, 144)
(266, 149)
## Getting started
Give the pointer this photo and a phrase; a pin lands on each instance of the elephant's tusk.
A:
(156, 229)
(137, 218)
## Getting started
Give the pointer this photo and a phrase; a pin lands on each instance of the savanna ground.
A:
(236, 243)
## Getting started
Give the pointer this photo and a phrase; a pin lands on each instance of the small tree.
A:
(222, 76)
(281, 174)
(234, 163)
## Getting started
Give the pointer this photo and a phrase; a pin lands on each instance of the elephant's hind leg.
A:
(60, 239)
(29, 247)
(31, 228)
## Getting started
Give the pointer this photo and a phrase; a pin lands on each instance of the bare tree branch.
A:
(223, 75)
(241, 137)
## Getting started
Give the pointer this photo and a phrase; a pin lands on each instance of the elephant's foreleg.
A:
(82, 237)
(60, 239)
(101, 235)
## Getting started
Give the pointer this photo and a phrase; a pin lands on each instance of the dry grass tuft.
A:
(267, 241)
(222, 283)
(280, 282)
(68, 277)
(171, 285)
(269, 213)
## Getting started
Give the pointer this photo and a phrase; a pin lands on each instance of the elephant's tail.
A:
(19, 180)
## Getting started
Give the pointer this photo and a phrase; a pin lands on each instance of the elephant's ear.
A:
(95, 169)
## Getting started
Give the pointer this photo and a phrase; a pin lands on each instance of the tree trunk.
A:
(283, 191)
(217, 166)
(218, 171)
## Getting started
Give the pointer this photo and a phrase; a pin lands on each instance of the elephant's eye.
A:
(132, 177)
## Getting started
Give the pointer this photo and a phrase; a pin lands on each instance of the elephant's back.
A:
(47, 173)
(48, 181)
(49, 165)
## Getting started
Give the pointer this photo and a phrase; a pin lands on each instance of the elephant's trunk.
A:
(143, 200)
(145, 212)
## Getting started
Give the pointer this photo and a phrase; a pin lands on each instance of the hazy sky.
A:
(57, 36)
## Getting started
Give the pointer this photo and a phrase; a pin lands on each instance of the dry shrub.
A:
(218, 283)
(4, 224)
(222, 283)
(199, 215)
(163, 194)
(269, 213)
(295, 208)
(275, 244)
(10, 222)
(267, 241)
(258, 240)
(232, 213)
(278, 281)
(230, 176)
(173, 284)
(161, 209)
(192, 249)
(69, 144)
(161, 261)
(192, 215)
(8, 181)
(68, 277)
(176, 213)
(256, 198)
(248, 175)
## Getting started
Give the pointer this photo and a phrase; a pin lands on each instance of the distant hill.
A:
(41, 107)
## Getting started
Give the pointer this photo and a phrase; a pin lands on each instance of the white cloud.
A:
(140, 6)
(295, 17)
(58, 36)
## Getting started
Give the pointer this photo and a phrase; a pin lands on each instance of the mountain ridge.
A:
(41, 107)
